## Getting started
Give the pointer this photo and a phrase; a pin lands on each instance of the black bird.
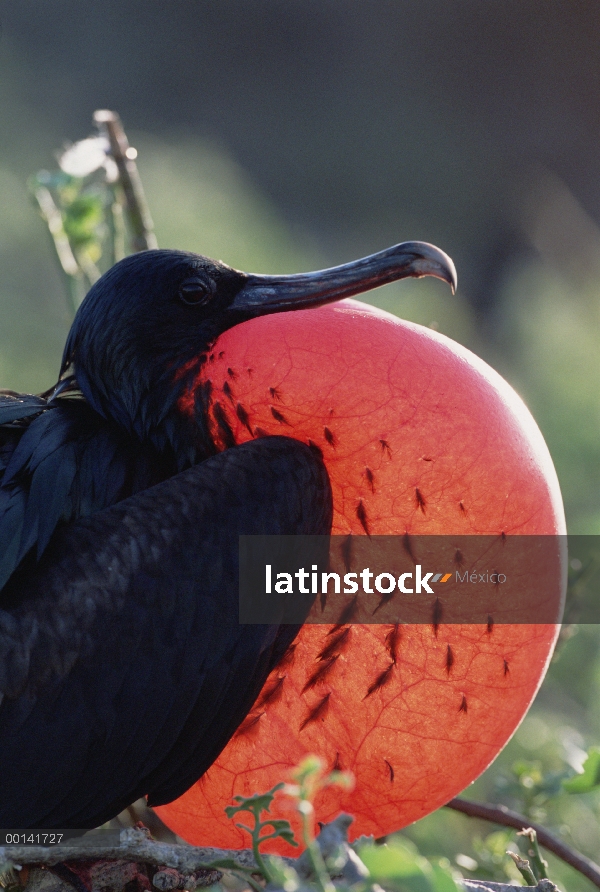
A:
(123, 668)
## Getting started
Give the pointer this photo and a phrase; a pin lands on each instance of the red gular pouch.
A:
(420, 438)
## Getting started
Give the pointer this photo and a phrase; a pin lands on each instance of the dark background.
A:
(355, 119)
(283, 135)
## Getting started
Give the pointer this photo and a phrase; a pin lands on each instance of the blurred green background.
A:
(280, 136)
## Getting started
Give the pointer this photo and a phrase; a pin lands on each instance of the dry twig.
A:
(138, 213)
(499, 814)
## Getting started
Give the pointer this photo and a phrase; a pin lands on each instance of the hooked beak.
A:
(276, 294)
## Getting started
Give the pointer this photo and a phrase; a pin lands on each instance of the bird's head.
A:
(148, 324)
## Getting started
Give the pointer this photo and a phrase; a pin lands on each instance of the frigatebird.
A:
(123, 668)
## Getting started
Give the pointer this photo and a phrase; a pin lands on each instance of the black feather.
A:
(18, 406)
(152, 673)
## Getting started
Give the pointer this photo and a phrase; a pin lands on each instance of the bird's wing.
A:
(17, 407)
(123, 665)
(60, 460)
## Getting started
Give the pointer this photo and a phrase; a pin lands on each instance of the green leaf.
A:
(283, 829)
(399, 864)
(590, 778)
(309, 768)
(257, 803)
(443, 881)
(82, 217)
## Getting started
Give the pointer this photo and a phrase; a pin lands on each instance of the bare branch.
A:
(544, 885)
(499, 814)
(67, 261)
(138, 213)
(134, 846)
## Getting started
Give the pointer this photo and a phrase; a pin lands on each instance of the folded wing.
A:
(123, 666)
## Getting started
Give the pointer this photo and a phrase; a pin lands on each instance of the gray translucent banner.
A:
(419, 579)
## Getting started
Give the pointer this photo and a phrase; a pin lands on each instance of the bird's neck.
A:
(171, 413)
(177, 427)
(184, 438)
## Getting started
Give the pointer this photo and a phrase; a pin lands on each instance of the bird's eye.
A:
(195, 292)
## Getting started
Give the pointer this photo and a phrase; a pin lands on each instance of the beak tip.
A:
(452, 278)
(453, 282)
(431, 261)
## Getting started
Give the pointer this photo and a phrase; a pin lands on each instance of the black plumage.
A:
(139, 613)
(123, 668)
